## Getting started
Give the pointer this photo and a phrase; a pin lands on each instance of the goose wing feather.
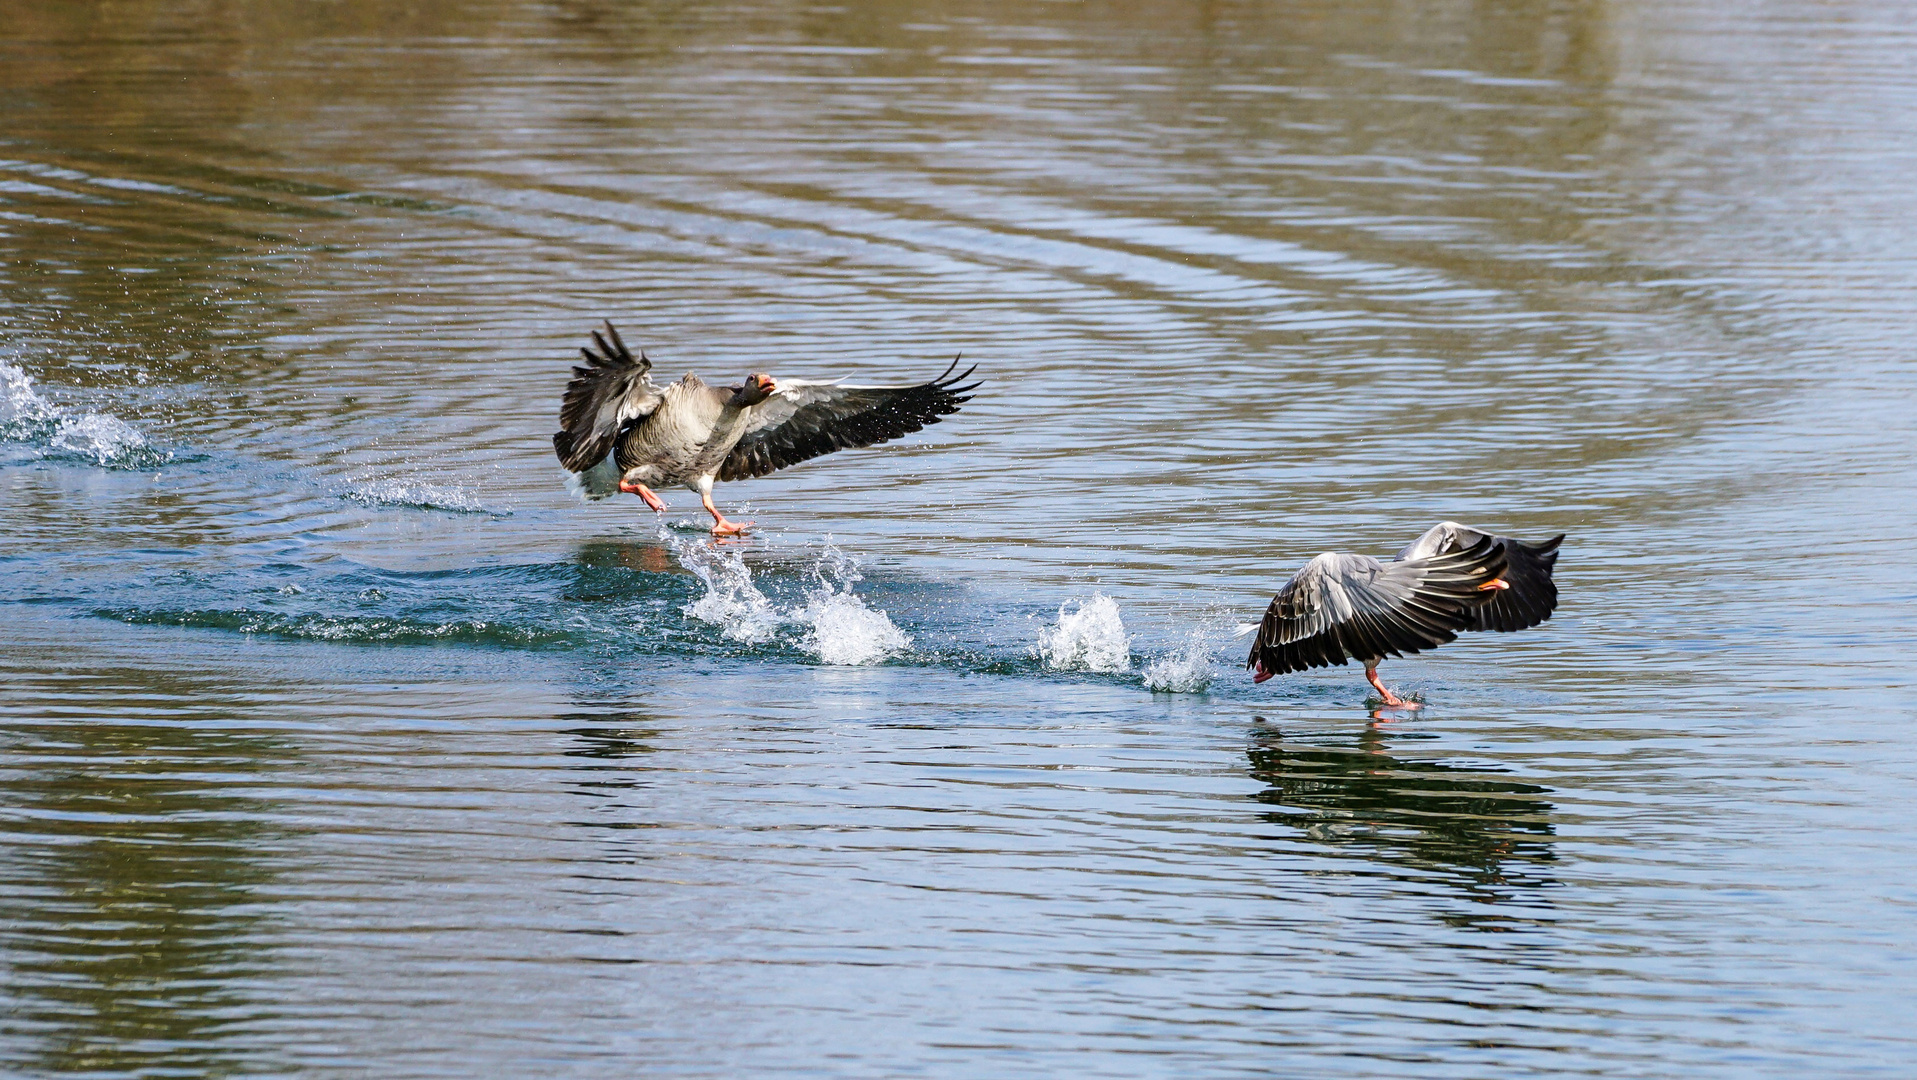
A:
(1533, 595)
(1343, 606)
(609, 392)
(803, 420)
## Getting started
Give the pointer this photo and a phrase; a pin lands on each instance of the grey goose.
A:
(1451, 579)
(622, 432)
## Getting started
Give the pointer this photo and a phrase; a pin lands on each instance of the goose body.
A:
(1453, 578)
(621, 432)
(693, 427)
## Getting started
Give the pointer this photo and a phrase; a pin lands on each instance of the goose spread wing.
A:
(1353, 606)
(611, 391)
(803, 420)
(1532, 597)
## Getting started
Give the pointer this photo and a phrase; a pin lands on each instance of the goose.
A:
(1450, 579)
(621, 432)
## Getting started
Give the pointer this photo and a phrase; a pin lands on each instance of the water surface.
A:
(338, 739)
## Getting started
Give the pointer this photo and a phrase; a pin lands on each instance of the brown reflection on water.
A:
(647, 557)
(133, 920)
(1252, 181)
(137, 239)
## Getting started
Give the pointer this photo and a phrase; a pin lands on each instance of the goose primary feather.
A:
(622, 432)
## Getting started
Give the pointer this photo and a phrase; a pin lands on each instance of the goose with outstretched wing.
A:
(621, 432)
(1451, 579)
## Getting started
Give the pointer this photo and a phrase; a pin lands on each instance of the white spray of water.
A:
(101, 436)
(1088, 637)
(1189, 668)
(25, 415)
(840, 628)
(731, 601)
(18, 403)
(834, 622)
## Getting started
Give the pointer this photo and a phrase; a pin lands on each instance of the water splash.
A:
(1188, 669)
(27, 417)
(19, 404)
(732, 602)
(1090, 637)
(841, 628)
(105, 438)
(836, 624)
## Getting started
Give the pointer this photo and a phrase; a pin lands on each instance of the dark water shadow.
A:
(615, 747)
(1486, 838)
(610, 736)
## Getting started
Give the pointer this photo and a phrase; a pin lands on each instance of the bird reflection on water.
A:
(1482, 834)
(647, 556)
(613, 742)
(610, 733)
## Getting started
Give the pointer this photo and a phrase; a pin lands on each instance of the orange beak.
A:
(1494, 583)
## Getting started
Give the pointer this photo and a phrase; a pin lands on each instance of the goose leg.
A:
(720, 526)
(1391, 700)
(643, 492)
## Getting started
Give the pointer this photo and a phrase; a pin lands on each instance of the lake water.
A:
(335, 738)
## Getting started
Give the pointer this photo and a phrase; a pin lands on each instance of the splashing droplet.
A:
(1090, 637)
(25, 416)
(835, 623)
(1187, 669)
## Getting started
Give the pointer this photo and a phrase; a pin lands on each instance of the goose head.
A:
(758, 386)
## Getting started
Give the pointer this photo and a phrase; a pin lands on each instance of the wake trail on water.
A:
(49, 430)
(54, 430)
(724, 605)
(414, 493)
(693, 597)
